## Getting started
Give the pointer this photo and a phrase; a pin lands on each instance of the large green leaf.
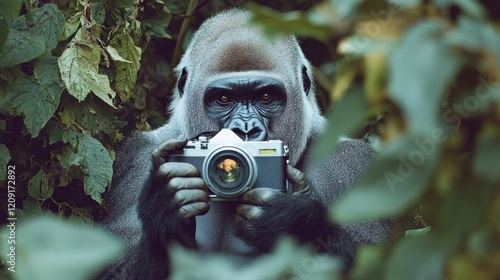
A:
(37, 98)
(393, 182)
(95, 163)
(21, 47)
(126, 72)
(416, 84)
(46, 21)
(286, 261)
(79, 65)
(32, 34)
(274, 23)
(347, 116)
(56, 250)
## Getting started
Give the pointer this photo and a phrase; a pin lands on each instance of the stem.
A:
(182, 33)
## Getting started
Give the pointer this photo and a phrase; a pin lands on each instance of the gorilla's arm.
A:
(168, 203)
(145, 205)
(331, 178)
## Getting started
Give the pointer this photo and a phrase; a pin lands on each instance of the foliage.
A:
(420, 79)
(59, 251)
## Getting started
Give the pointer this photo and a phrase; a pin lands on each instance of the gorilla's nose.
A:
(248, 129)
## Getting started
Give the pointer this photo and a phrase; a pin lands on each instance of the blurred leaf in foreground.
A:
(396, 179)
(51, 249)
(413, 85)
(287, 261)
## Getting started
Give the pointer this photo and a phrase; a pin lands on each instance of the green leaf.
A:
(59, 132)
(347, 117)
(56, 250)
(21, 47)
(487, 154)
(95, 163)
(418, 231)
(344, 9)
(415, 84)
(126, 73)
(4, 160)
(38, 186)
(93, 116)
(81, 216)
(46, 21)
(71, 26)
(37, 98)
(423, 257)
(475, 36)
(284, 262)
(394, 181)
(275, 23)
(98, 12)
(79, 65)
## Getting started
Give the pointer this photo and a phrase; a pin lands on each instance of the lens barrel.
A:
(229, 171)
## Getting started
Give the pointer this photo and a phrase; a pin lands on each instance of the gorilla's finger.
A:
(242, 222)
(170, 170)
(259, 196)
(165, 148)
(300, 186)
(249, 212)
(184, 197)
(184, 183)
(194, 209)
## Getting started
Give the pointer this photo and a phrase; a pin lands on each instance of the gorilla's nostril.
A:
(240, 133)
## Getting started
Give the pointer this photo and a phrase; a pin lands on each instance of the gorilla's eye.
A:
(265, 97)
(223, 99)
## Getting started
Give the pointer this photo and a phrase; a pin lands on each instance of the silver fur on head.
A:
(235, 47)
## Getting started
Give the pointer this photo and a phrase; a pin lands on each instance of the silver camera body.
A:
(230, 166)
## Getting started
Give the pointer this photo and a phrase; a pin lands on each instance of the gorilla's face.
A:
(245, 105)
(233, 77)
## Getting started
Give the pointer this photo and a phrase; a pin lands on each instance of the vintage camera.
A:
(230, 166)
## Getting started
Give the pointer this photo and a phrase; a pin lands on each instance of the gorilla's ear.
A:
(182, 82)
(306, 81)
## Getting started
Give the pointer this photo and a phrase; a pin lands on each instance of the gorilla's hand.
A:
(266, 214)
(174, 196)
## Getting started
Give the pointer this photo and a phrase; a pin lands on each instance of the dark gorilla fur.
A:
(142, 213)
(282, 208)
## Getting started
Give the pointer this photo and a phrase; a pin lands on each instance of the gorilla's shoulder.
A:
(347, 162)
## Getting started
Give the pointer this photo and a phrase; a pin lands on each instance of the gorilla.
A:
(232, 77)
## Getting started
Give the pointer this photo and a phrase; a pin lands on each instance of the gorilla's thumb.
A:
(298, 179)
(166, 147)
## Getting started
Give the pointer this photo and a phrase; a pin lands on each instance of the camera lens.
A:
(228, 170)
